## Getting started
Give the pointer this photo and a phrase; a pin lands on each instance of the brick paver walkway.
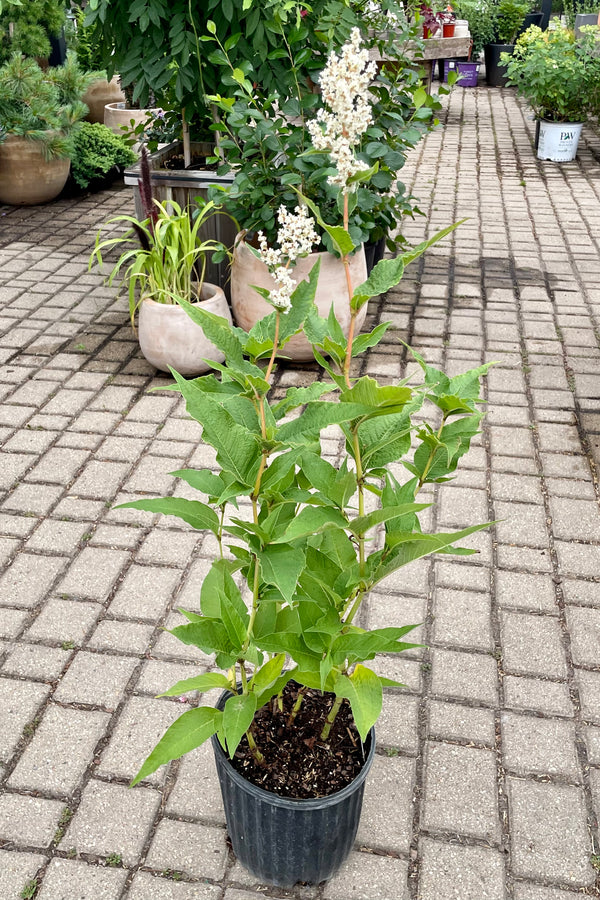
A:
(488, 768)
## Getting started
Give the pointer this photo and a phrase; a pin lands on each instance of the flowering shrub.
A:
(308, 548)
(557, 74)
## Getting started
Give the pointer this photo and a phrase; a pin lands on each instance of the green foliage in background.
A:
(97, 150)
(42, 106)
(26, 27)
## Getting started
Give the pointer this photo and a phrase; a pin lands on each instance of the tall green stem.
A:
(331, 718)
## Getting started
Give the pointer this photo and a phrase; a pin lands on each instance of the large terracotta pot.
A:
(249, 307)
(168, 337)
(100, 93)
(26, 176)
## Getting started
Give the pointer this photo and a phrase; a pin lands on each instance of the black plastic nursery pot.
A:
(374, 253)
(282, 841)
(495, 74)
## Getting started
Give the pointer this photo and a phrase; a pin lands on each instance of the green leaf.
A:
(238, 715)
(281, 566)
(386, 275)
(201, 480)
(296, 397)
(209, 635)
(188, 732)
(238, 450)
(205, 682)
(316, 416)
(267, 674)
(364, 691)
(386, 399)
(362, 524)
(364, 341)
(406, 548)
(312, 520)
(195, 513)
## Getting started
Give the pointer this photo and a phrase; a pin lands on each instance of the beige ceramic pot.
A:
(117, 117)
(168, 337)
(100, 93)
(26, 176)
(249, 307)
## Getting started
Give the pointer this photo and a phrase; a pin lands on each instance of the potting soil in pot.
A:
(298, 763)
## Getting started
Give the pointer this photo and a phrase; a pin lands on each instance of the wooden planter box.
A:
(184, 186)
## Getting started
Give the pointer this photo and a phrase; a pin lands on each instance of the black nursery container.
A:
(495, 73)
(282, 841)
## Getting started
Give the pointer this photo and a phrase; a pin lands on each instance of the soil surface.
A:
(298, 763)
(177, 162)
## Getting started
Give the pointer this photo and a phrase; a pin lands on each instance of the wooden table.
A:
(434, 48)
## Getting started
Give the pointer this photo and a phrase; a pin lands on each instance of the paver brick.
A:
(64, 621)
(460, 791)
(170, 548)
(60, 751)
(462, 619)
(584, 627)
(397, 724)
(11, 621)
(101, 479)
(549, 835)
(36, 661)
(28, 579)
(386, 820)
(522, 590)
(58, 465)
(145, 592)
(150, 887)
(454, 721)
(465, 676)
(123, 636)
(31, 499)
(141, 725)
(532, 645)
(16, 869)
(112, 819)
(95, 679)
(196, 793)
(57, 537)
(29, 821)
(535, 746)
(589, 689)
(198, 850)
(582, 560)
(458, 872)
(537, 892)
(549, 697)
(93, 573)
(364, 876)
(70, 878)
(19, 703)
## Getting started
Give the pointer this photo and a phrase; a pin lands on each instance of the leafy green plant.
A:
(97, 150)
(263, 137)
(42, 106)
(84, 41)
(478, 14)
(316, 537)
(26, 27)
(164, 258)
(558, 75)
(508, 19)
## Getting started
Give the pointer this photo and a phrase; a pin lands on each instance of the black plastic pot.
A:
(495, 74)
(534, 18)
(374, 253)
(282, 841)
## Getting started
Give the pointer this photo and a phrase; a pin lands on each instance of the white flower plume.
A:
(345, 84)
(296, 237)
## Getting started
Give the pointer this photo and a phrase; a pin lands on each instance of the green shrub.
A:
(96, 151)
(26, 28)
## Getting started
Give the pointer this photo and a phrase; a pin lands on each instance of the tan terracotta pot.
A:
(168, 337)
(26, 176)
(118, 118)
(249, 307)
(100, 93)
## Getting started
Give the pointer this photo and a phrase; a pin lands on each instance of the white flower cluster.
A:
(345, 84)
(296, 237)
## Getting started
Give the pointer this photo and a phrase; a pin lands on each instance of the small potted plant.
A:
(448, 20)
(39, 113)
(559, 75)
(293, 731)
(430, 21)
(163, 265)
(508, 16)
